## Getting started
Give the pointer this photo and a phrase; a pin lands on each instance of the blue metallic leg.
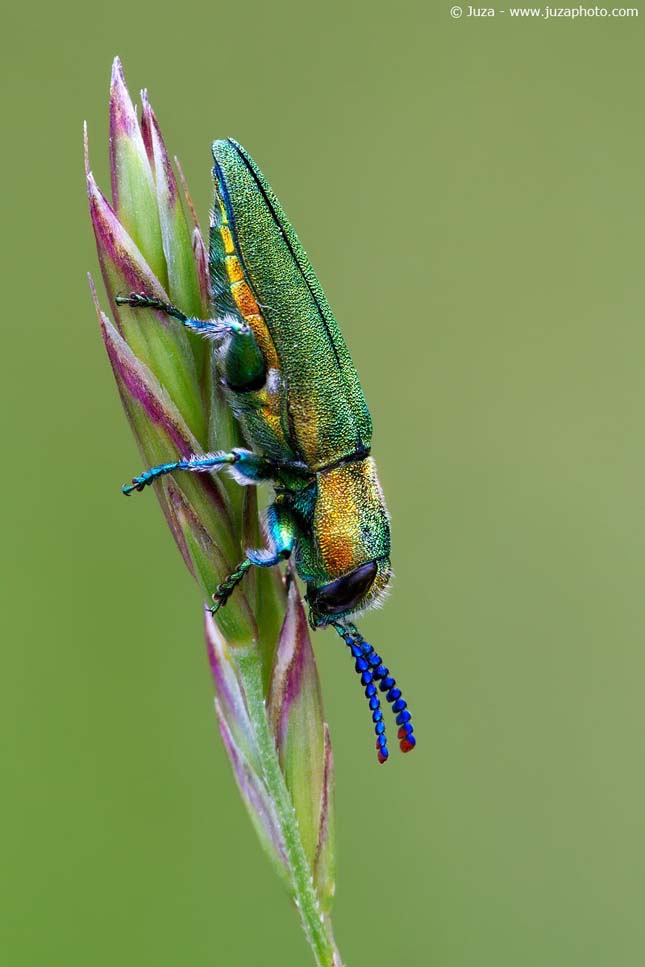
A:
(211, 328)
(281, 529)
(225, 589)
(249, 468)
(282, 535)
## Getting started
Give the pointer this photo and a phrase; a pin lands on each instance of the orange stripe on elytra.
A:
(227, 239)
(244, 299)
(249, 310)
(234, 269)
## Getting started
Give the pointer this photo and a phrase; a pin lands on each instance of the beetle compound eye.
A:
(345, 593)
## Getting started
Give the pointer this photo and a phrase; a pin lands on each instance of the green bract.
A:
(268, 699)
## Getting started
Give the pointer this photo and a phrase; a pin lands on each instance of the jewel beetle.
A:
(289, 379)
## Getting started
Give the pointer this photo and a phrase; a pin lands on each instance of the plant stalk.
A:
(316, 926)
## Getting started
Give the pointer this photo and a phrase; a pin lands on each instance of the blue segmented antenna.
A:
(370, 667)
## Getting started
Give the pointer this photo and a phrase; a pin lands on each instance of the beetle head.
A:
(350, 594)
(345, 557)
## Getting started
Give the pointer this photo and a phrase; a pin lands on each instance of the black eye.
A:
(344, 593)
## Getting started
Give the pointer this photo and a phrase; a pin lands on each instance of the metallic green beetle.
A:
(291, 383)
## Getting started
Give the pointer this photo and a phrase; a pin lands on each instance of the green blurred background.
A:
(472, 195)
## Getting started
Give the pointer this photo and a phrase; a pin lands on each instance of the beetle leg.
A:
(282, 537)
(243, 362)
(211, 328)
(249, 468)
(225, 589)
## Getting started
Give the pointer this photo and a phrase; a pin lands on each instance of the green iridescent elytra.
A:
(325, 416)
(291, 382)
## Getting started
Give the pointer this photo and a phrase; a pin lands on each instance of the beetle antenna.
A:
(365, 667)
(370, 666)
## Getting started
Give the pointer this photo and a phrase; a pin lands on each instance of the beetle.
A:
(289, 379)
